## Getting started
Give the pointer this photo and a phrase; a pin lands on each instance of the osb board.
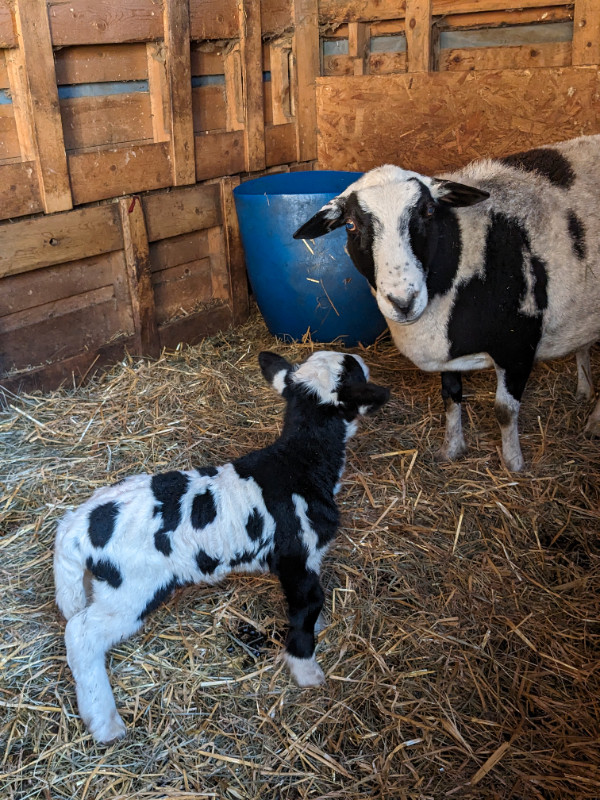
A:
(437, 121)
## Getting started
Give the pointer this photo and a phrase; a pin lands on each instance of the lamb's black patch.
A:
(435, 241)
(206, 563)
(255, 524)
(245, 558)
(102, 523)
(105, 570)
(208, 472)
(485, 317)
(360, 243)
(577, 233)
(204, 509)
(168, 489)
(546, 161)
(160, 596)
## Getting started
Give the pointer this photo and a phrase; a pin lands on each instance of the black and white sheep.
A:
(497, 264)
(273, 509)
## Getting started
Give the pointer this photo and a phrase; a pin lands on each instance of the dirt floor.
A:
(462, 627)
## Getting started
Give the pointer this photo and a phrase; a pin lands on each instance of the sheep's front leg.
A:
(511, 385)
(585, 386)
(593, 423)
(454, 441)
(88, 635)
(304, 596)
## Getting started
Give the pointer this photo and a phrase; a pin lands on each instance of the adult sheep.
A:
(496, 264)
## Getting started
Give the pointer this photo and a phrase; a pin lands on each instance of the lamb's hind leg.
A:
(585, 386)
(88, 635)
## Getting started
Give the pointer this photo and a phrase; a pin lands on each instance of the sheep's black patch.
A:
(102, 523)
(577, 234)
(255, 524)
(547, 162)
(540, 288)
(206, 563)
(360, 243)
(168, 489)
(160, 596)
(204, 509)
(105, 570)
(208, 472)
(245, 558)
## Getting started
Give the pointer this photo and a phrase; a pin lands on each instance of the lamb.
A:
(496, 264)
(272, 509)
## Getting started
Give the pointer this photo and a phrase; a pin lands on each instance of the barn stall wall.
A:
(126, 124)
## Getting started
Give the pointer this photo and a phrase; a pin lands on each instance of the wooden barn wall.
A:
(126, 124)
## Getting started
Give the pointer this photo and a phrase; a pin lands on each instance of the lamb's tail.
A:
(69, 567)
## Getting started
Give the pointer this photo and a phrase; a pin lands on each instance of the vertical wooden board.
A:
(219, 154)
(220, 283)
(158, 84)
(419, 35)
(35, 99)
(214, 19)
(280, 53)
(586, 32)
(252, 81)
(234, 254)
(104, 21)
(20, 194)
(437, 121)
(98, 63)
(307, 69)
(358, 45)
(108, 119)
(234, 90)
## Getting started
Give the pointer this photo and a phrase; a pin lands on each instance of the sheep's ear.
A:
(328, 218)
(455, 194)
(365, 397)
(274, 368)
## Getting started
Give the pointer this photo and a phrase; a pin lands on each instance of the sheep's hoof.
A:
(450, 452)
(593, 425)
(110, 730)
(305, 671)
(514, 463)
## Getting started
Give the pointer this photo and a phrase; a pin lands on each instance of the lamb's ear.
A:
(328, 218)
(274, 368)
(366, 397)
(455, 194)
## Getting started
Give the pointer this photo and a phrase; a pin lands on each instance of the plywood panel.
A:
(430, 122)
(109, 119)
(104, 21)
(116, 171)
(176, 213)
(95, 63)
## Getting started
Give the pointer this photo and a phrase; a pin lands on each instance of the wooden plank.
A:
(104, 21)
(95, 64)
(176, 20)
(276, 17)
(387, 63)
(234, 254)
(180, 289)
(34, 243)
(555, 54)
(176, 250)
(29, 317)
(419, 39)
(219, 154)
(195, 327)
(338, 65)
(494, 19)
(117, 171)
(233, 92)
(4, 84)
(214, 19)
(178, 212)
(280, 144)
(437, 121)
(35, 103)
(7, 32)
(586, 32)
(20, 193)
(108, 119)
(207, 58)
(137, 267)
(307, 68)
(358, 46)
(9, 139)
(252, 82)
(210, 109)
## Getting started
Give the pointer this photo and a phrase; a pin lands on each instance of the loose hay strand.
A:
(461, 632)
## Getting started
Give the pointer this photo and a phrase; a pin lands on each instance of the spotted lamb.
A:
(273, 509)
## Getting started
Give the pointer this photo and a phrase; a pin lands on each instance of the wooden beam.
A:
(358, 46)
(279, 62)
(137, 260)
(32, 79)
(252, 82)
(419, 38)
(307, 68)
(238, 280)
(586, 32)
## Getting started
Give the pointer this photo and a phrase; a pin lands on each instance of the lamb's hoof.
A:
(448, 453)
(110, 730)
(305, 671)
(593, 426)
(514, 463)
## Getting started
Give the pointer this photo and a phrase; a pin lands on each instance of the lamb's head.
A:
(394, 219)
(338, 380)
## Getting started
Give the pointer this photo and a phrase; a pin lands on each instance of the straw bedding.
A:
(462, 633)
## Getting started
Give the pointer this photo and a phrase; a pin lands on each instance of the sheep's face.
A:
(394, 219)
(334, 379)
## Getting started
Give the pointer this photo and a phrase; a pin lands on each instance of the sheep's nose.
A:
(404, 305)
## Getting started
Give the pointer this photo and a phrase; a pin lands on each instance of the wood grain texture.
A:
(214, 19)
(586, 32)
(175, 213)
(555, 54)
(280, 144)
(234, 254)
(7, 32)
(20, 193)
(419, 38)
(98, 63)
(108, 119)
(104, 21)
(219, 154)
(437, 121)
(192, 328)
(252, 83)
(307, 67)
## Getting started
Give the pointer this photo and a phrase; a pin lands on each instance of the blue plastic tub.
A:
(300, 285)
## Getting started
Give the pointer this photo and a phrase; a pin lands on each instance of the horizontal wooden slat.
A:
(116, 171)
(437, 121)
(209, 108)
(95, 64)
(491, 19)
(556, 54)
(387, 63)
(176, 213)
(57, 238)
(20, 193)
(214, 19)
(176, 250)
(367, 10)
(338, 65)
(7, 33)
(54, 309)
(180, 289)
(9, 139)
(3, 71)
(193, 328)
(207, 59)
(275, 16)
(104, 21)
(219, 154)
(280, 144)
(108, 119)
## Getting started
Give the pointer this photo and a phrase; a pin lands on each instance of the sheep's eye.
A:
(429, 210)
(351, 226)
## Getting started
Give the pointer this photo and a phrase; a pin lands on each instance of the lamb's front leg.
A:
(510, 388)
(585, 386)
(304, 596)
(88, 635)
(454, 441)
